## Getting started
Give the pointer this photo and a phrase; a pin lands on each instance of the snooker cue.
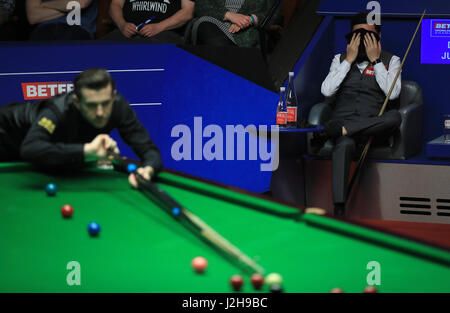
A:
(204, 229)
(367, 146)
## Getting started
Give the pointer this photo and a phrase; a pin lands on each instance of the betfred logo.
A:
(45, 90)
(441, 26)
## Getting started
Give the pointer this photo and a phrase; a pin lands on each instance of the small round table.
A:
(288, 180)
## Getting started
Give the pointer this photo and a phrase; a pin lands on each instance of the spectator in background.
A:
(6, 11)
(166, 26)
(13, 21)
(50, 20)
(228, 22)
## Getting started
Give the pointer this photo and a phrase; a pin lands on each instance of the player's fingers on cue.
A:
(101, 141)
(109, 143)
(144, 172)
(132, 180)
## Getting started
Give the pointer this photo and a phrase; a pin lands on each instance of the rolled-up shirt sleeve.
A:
(334, 79)
(385, 77)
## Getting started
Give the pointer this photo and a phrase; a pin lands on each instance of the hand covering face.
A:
(362, 55)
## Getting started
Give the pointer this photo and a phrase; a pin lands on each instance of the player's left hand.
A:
(146, 172)
(373, 48)
(234, 28)
(150, 30)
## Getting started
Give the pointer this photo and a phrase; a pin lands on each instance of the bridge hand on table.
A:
(146, 172)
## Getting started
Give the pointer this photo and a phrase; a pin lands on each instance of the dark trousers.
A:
(210, 34)
(59, 31)
(359, 130)
(167, 36)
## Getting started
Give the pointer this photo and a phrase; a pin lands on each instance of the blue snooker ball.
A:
(93, 229)
(50, 189)
(176, 211)
(131, 167)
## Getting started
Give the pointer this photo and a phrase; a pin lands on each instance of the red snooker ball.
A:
(370, 289)
(67, 210)
(337, 290)
(199, 264)
(257, 281)
(236, 282)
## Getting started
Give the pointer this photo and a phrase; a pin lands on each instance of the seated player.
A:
(360, 80)
(50, 20)
(229, 22)
(63, 131)
(156, 21)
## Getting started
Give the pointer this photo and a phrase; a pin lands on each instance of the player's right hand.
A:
(353, 47)
(146, 172)
(100, 147)
(128, 30)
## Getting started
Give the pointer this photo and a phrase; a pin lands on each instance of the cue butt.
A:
(221, 242)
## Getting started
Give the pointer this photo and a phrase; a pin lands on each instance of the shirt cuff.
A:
(76, 153)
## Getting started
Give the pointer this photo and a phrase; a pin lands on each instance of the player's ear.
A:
(76, 101)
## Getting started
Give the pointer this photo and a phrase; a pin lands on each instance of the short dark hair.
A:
(361, 18)
(93, 78)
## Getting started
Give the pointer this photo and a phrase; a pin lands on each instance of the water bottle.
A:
(291, 102)
(447, 128)
(281, 110)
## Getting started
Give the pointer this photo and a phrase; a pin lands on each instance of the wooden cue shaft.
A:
(205, 230)
(367, 146)
(224, 244)
(401, 65)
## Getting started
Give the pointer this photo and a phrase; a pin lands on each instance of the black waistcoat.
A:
(359, 93)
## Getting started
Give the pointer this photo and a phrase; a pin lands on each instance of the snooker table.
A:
(141, 248)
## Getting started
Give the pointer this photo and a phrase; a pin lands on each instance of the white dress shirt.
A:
(338, 72)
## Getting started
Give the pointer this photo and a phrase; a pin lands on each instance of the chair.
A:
(404, 143)
(269, 37)
(268, 34)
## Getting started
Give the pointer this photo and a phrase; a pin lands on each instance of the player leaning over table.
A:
(65, 130)
(359, 80)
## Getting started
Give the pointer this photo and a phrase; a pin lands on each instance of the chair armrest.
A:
(408, 141)
(320, 113)
(269, 16)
